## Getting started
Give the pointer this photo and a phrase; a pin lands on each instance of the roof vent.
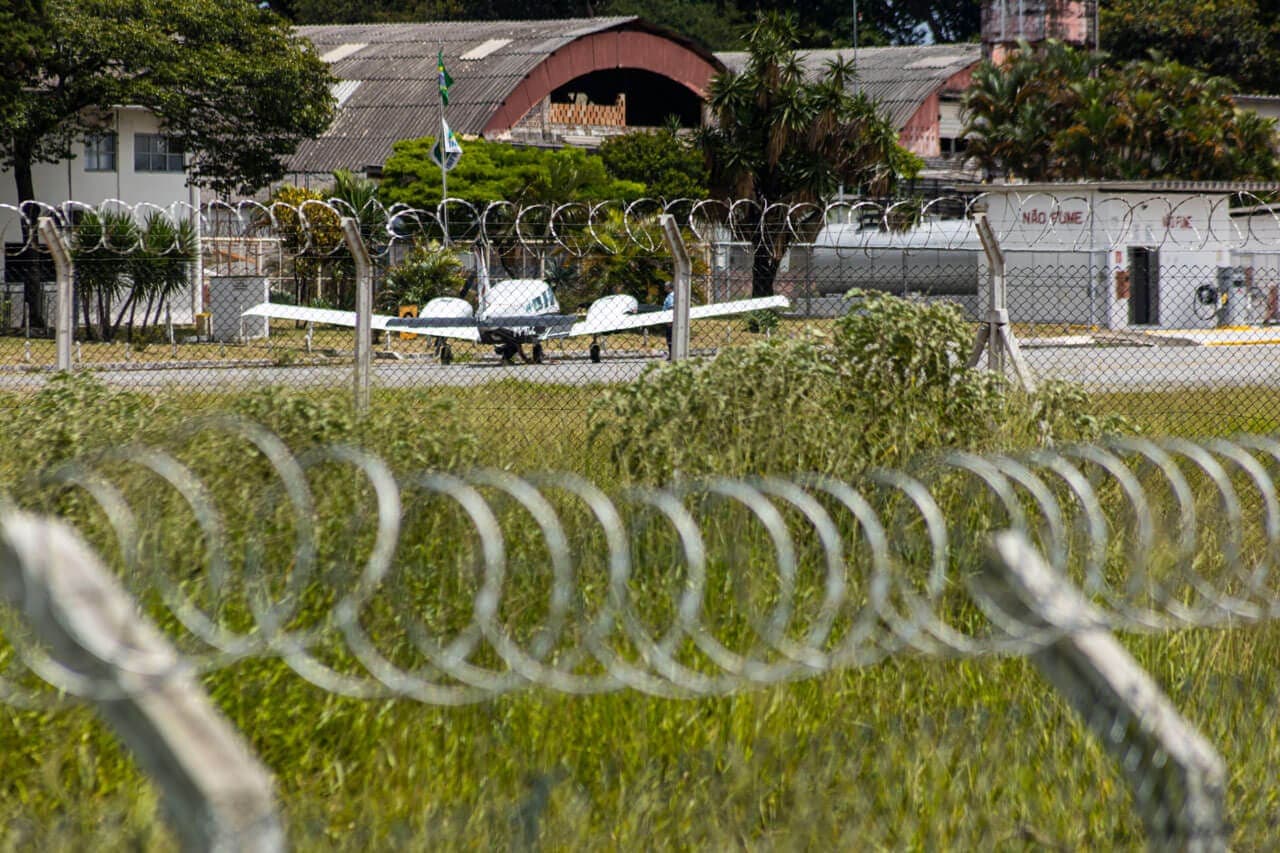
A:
(343, 90)
(937, 61)
(342, 51)
(484, 49)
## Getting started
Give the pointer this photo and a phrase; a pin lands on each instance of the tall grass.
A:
(910, 753)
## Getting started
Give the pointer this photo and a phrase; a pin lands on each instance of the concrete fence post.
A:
(1177, 777)
(364, 310)
(216, 795)
(683, 282)
(996, 335)
(64, 272)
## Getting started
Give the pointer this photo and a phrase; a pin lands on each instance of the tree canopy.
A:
(1236, 39)
(229, 81)
(718, 24)
(494, 171)
(1054, 113)
(780, 136)
(663, 160)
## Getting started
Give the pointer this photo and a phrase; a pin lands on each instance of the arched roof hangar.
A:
(596, 60)
(535, 81)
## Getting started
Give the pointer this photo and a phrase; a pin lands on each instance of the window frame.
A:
(95, 152)
(153, 153)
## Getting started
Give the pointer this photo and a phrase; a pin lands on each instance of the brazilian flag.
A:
(445, 80)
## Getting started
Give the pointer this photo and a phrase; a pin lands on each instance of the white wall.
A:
(1064, 238)
(68, 181)
(56, 183)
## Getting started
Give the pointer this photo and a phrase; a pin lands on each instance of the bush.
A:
(72, 414)
(891, 384)
(761, 322)
(428, 271)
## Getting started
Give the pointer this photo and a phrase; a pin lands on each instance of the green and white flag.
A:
(451, 145)
(446, 155)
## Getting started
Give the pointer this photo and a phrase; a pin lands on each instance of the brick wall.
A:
(590, 115)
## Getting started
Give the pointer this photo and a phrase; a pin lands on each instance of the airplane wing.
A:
(438, 327)
(622, 322)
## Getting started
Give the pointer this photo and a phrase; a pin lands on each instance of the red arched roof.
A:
(633, 49)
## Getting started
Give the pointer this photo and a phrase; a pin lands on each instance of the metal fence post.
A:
(64, 309)
(364, 309)
(216, 794)
(995, 335)
(682, 283)
(1178, 778)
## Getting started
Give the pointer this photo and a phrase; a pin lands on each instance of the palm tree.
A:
(100, 247)
(781, 136)
(1058, 114)
(160, 266)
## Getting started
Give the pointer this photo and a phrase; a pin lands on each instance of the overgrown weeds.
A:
(890, 384)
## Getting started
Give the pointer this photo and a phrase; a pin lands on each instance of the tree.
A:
(1054, 113)
(663, 160)
(229, 81)
(159, 266)
(717, 24)
(101, 245)
(427, 271)
(497, 171)
(21, 34)
(779, 137)
(1222, 38)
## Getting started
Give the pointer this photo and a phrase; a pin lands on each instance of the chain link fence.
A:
(1157, 299)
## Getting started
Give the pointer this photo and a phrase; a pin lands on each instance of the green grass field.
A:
(911, 753)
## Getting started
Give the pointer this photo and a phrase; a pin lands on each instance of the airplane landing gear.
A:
(537, 353)
(446, 354)
(507, 352)
(594, 353)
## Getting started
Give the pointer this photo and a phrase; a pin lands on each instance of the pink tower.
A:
(1004, 22)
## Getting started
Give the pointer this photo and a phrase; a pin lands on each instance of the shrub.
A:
(429, 270)
(890, 384)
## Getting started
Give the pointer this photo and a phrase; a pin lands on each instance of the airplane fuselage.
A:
(510, 311)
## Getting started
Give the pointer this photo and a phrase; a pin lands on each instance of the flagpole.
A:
(444, 157)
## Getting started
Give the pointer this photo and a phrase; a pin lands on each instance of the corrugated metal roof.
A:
(398, 95)
(1153, 187)
(900, 78)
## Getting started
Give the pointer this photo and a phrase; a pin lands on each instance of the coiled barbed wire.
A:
(1182, 221)
(450, 588)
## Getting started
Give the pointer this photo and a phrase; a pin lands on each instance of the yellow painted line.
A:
(1254, 342)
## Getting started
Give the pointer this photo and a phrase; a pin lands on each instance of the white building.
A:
(1115, 254)
(131, 161)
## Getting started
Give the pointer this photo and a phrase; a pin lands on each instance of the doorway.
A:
(1144, 286)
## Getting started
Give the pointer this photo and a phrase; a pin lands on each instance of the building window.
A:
(153, 152)
(100, 152)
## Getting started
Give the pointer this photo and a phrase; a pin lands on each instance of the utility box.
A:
(1231, 282)
(229, 297)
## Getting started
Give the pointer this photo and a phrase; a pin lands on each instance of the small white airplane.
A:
(515, 312)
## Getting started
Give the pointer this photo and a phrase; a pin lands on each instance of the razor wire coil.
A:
(1033, 220)
(648, 588)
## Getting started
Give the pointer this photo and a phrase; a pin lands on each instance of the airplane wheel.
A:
(507, 352)
(446, 354)
(595, 353)
(537, 353)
